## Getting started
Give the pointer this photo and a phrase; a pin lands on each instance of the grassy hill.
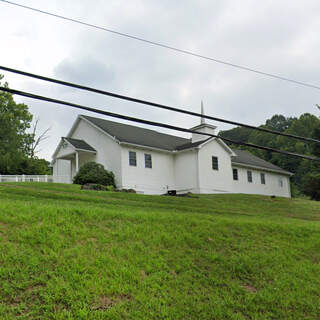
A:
(72, 254)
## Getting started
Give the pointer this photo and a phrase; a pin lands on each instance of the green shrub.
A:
(110, 188)
(296, 191)
(93, 172)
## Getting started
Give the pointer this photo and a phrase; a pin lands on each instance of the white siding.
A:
(186, 171)
(108, 150)
(214, 181)
(62, 171)
(271, 187)
(155, 180)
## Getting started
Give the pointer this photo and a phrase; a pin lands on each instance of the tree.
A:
(37, 138)
(279, 123)
(311, 186)
(15, 143)
(306, 125)
(240, 134)
(311, 181)
(17, 146)
(34, 166)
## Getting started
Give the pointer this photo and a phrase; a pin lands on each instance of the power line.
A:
(158, 44)
(151, 123)
(153, 104)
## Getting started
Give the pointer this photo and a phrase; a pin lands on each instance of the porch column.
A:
(70, 171)
(77, 162)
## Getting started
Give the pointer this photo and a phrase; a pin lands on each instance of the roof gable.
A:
(79, 144)
(73, 145)
(221, 143)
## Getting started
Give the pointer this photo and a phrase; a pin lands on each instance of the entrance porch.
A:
(70, 155)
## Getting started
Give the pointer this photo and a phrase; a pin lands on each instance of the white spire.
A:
(203, 121)
(203, 127)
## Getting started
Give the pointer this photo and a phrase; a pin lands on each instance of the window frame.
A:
(134, 159)
(262, 178)
(215, 163)
(280, 182)
(148, 161)
(249, 176)
(235, 174)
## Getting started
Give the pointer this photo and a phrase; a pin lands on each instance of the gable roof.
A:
(137, 135)
(79, 144)
(150, 138)
(246, 158)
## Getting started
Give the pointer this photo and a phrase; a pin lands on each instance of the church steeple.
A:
(203, 127)
(203, 121)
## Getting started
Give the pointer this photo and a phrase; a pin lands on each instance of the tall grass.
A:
(72, 254)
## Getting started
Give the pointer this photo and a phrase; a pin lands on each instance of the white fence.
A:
(26, 178)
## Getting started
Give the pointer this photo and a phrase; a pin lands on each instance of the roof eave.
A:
(85, 150)
(203, 125)
(59, 146)
(287, 173)
(124, 143)
(56, 151)
(187, 149)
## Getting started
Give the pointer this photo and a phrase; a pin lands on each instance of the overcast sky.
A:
(280, 37)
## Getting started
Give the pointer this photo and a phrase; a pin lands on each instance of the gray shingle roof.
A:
(137, 135)
(191, 144)
(79, 144)
(150, 138)
(246, 158)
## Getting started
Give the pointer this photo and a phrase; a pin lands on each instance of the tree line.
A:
(306, 178)
(17, 139)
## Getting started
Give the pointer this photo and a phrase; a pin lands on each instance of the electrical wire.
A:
(154, 43)
(151, 123)
(153, 104)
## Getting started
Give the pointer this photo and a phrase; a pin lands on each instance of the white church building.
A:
(151, 162)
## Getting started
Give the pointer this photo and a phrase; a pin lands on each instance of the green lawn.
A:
(72, 254)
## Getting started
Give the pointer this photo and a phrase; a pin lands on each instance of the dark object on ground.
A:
(92, 172)
(93, 186)
(172, 192)
(273, 197)
(185, 195)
